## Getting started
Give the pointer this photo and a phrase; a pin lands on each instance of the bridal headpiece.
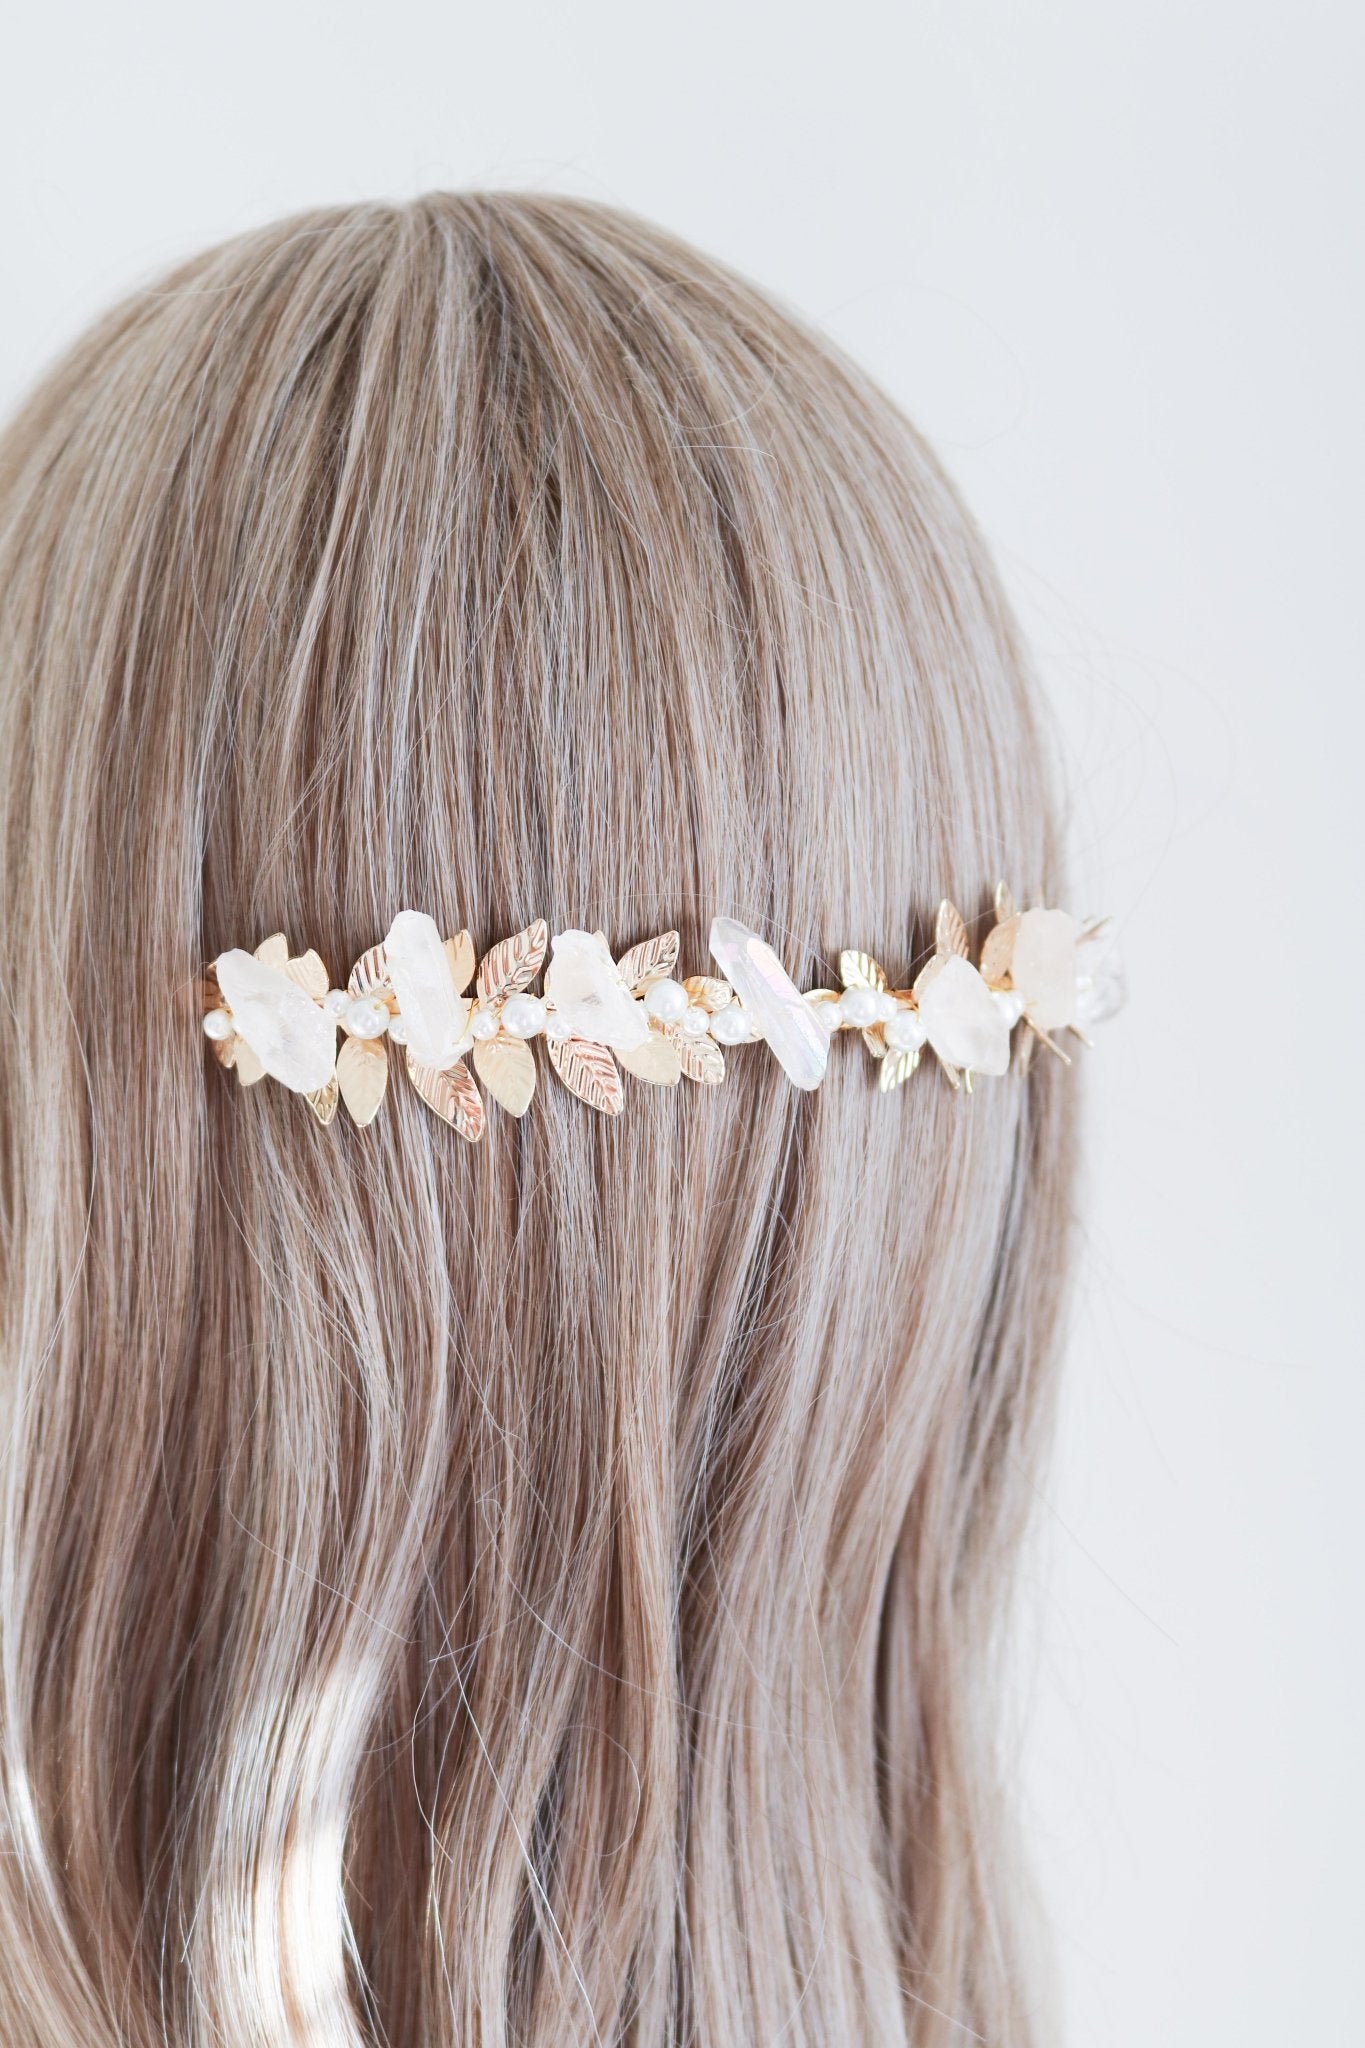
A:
(1041, 975)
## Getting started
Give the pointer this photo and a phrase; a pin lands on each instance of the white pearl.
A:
(336, 1002)
(695, 1021)
(218, 1025)
(887, 1005)
(826, 1013)
(730, 1026)
(556, 1027)
(523, 1016)
(904, 1032)
(860, 1006)
(666, 1000)
(398, 1031)
(1010, 1005)
(484, 1023)
(366, 1017)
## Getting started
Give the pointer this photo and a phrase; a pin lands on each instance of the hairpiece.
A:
(275, 1012)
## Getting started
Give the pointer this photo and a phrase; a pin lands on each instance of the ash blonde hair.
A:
(545, 1592)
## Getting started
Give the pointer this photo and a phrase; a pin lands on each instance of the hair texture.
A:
(547, 1591)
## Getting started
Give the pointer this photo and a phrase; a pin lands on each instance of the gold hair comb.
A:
(275, 1012)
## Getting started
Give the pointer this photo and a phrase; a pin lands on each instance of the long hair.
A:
(545, 1591)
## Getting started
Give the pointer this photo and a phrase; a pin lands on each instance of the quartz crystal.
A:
(292, 1037)
(960, 1017)
(1043, 967)
(589, 995)
(434, 1012)
(1101, 984)
(774, 1003)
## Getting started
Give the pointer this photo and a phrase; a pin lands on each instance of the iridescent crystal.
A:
(292, 1037)
(588, 993)
(1043, 967)
(1101, 984)
(774, 1003)
(434, 1012)
(961, 1018)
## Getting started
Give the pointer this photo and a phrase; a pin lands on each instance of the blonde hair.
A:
(546, 1591)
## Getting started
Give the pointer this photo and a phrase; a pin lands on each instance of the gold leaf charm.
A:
(860, 970)
(589, 1071)
(513, 963)
(708, 992)
(363, 1077)
(998, 952)
(247, 1065)
(460, 954)
(701, 1058)
(310, 972)
(950, 933)
(651, 960)
(323, 1102)
(507, 1068)
(370, 975)
(452, 1095)
(896, 1068)
(657, 1060)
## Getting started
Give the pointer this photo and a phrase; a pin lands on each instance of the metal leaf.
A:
(507, 1068)
(247, 1065)
(363, 1077)
(1004, 904)
(513, 963)
(998, 951)
(874, 1041)
(452, 1095)
(657, 1060)
(860, 970)
(323, 1101)
(590, 1071)
(310, 972)
(701, 1058)
(950, 933)
(711, 993)
(370, 975)
(896, 1069)
(274, 952)
(651, 960)
(460, 954)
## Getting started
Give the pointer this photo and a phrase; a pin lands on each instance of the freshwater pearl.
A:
(366, 1017)
(860, 1007)
(398, 1031)
(695, 1021)
(730, 1026)
(1010, 1004)
(826, 1013)
(557, 1027)
(218, 1025)
(904, 1032)
(336, 1002)
(484, 1023)
(666, 1000)
(887, 1005)
(523, 1016)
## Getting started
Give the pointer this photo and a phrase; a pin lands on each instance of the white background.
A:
(1109, 258)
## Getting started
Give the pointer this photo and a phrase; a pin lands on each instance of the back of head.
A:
(539, 1591)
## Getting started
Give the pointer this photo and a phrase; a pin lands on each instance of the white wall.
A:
(1110, 258)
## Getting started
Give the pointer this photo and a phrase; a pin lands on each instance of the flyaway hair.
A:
(551, 1591)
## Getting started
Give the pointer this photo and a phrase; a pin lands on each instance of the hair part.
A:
(543, 1592)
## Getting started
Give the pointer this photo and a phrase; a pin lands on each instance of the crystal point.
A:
(961, 1018)
(774, 1002)
(589, 995)
(434, 1013)
(292, 1037)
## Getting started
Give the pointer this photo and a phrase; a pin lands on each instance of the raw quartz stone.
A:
(1043, 967)
(1101, 984)
(774, 1002)
(292, 1036)
(583, 983)
(434, 1013)
(961, 1018)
